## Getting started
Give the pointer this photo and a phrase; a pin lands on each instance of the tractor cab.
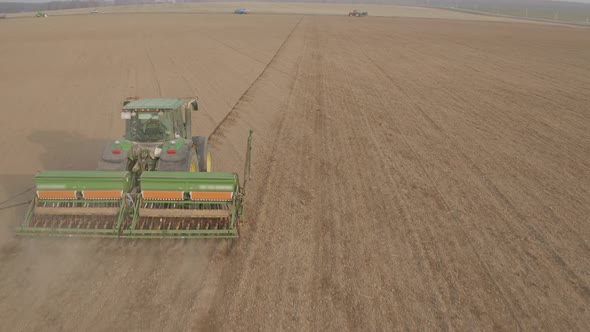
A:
(157, 137)
(155, 120)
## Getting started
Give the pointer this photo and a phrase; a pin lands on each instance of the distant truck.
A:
(356, 13)
(94, 11)
(241, 11)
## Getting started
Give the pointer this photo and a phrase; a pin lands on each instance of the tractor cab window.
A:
(149, 126)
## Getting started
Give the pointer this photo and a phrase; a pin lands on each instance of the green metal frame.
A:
(127, 217)
(84, 180)
(25, 229)
(231, 232)
(79, 181)
(183, 181)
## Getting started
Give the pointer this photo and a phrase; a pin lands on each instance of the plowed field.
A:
(408, 173)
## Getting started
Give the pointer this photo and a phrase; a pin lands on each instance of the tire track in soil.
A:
(246, 55)
(356, 117)
(520, 118)
(453, 215)
(507, 87)
(327, 236)
(242, 97)
(189, 85)
(218, 271)
(437, 189)
(435, 183)
(575, 158)
(557, 260)
(434, 268)
(261, 189)
(152, 65)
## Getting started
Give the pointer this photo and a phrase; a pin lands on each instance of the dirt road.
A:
(418, 174)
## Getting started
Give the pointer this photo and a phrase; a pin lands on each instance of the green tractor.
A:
(154, 182)
(157, 138)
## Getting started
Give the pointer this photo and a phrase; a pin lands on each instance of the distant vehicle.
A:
(2, 16)
(356, 13)
(40, 14)
(94, 11)
(241, 11)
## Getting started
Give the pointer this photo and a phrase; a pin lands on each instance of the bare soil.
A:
(408, 173)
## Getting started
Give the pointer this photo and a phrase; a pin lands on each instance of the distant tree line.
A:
(532, 4)
(17, 7)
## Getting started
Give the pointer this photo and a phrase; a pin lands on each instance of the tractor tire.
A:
(193, 165)
(203, 153)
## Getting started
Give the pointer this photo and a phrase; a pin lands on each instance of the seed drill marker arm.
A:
(247, 177)
(247, 163)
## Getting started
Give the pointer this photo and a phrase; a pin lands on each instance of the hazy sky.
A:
(584, 1)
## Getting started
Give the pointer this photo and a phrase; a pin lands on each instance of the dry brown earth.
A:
(408, 173)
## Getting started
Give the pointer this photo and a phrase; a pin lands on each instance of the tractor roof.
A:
(154, 103)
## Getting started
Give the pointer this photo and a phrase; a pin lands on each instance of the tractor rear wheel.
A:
(208, 162)
(203, 153)
(194, 162)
